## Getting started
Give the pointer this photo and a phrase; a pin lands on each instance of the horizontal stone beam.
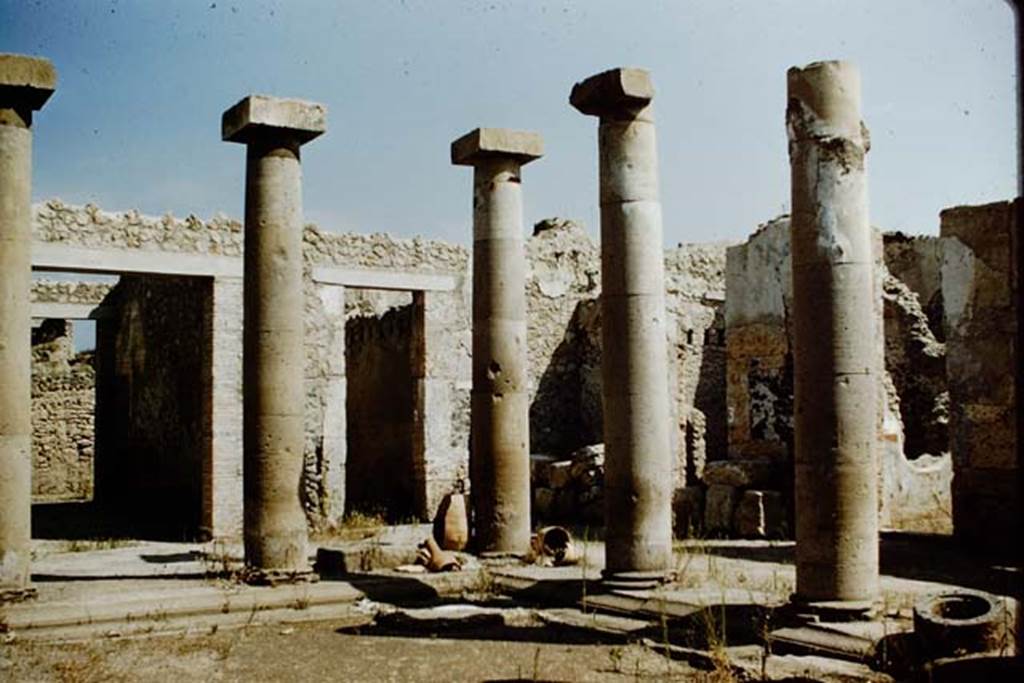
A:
(60, 257)
(365, 278)
(65, 311)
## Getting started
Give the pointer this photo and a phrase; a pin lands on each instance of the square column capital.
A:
(26, 81)
(261, 116)
(495, 143)
(613, 90)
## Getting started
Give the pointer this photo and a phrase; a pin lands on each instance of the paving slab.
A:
(604, 625)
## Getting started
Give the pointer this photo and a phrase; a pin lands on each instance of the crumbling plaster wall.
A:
(759, 385)
(979, 289)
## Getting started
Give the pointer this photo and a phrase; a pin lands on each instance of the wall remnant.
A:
(979, 291)
(63, 406)
(727, 315)
(915, 478)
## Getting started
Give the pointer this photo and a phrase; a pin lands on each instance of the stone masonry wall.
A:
(979, 289)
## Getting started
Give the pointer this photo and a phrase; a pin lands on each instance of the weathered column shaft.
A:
(273, 353)
(274, 361)
(500, 402)
(500, 456)
(15, 347)
(25, 84)
(834, 335)
(634, 372)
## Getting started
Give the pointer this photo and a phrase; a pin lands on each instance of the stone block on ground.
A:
(744, 473)
(687, 511)
(720, 501)
(760, 514)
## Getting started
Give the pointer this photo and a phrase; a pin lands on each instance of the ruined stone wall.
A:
(564, 351)
(563, 286)
(914, 463)
(64, 292)
(63, 405)
(979, 289)
(442, 384)
(63, 398)
(759, 362)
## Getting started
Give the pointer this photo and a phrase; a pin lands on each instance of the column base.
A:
(635, 580)
(812, 611)
(278, 577)
(9, 595)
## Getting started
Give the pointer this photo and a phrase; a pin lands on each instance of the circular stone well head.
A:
(958, 623)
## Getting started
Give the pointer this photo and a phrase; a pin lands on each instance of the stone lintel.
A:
(26, 81)
(613, 90)
(491, 143)
(260, 116)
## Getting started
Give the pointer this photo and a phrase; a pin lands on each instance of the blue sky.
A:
(135, 122)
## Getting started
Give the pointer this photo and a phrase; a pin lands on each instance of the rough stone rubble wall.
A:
(979, 289)
(63, 405)
(563, 286)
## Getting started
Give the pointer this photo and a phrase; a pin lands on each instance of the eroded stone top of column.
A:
(263, 116)
(26, 81)
(824, 100)
(490, 143)
(621, 89)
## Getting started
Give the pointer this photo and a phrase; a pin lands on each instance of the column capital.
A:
(261, 116)
(621, 89)
(26, 81)
(496, 143)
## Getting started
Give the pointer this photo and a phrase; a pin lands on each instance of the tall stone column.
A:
(835, 363)
(273, 354)
(500, 408)
(634, 372)
(25, 85)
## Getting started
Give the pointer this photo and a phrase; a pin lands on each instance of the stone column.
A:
(25, 85)
(634, 367)
(273, 353)
(835, 363)
(499, 452)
